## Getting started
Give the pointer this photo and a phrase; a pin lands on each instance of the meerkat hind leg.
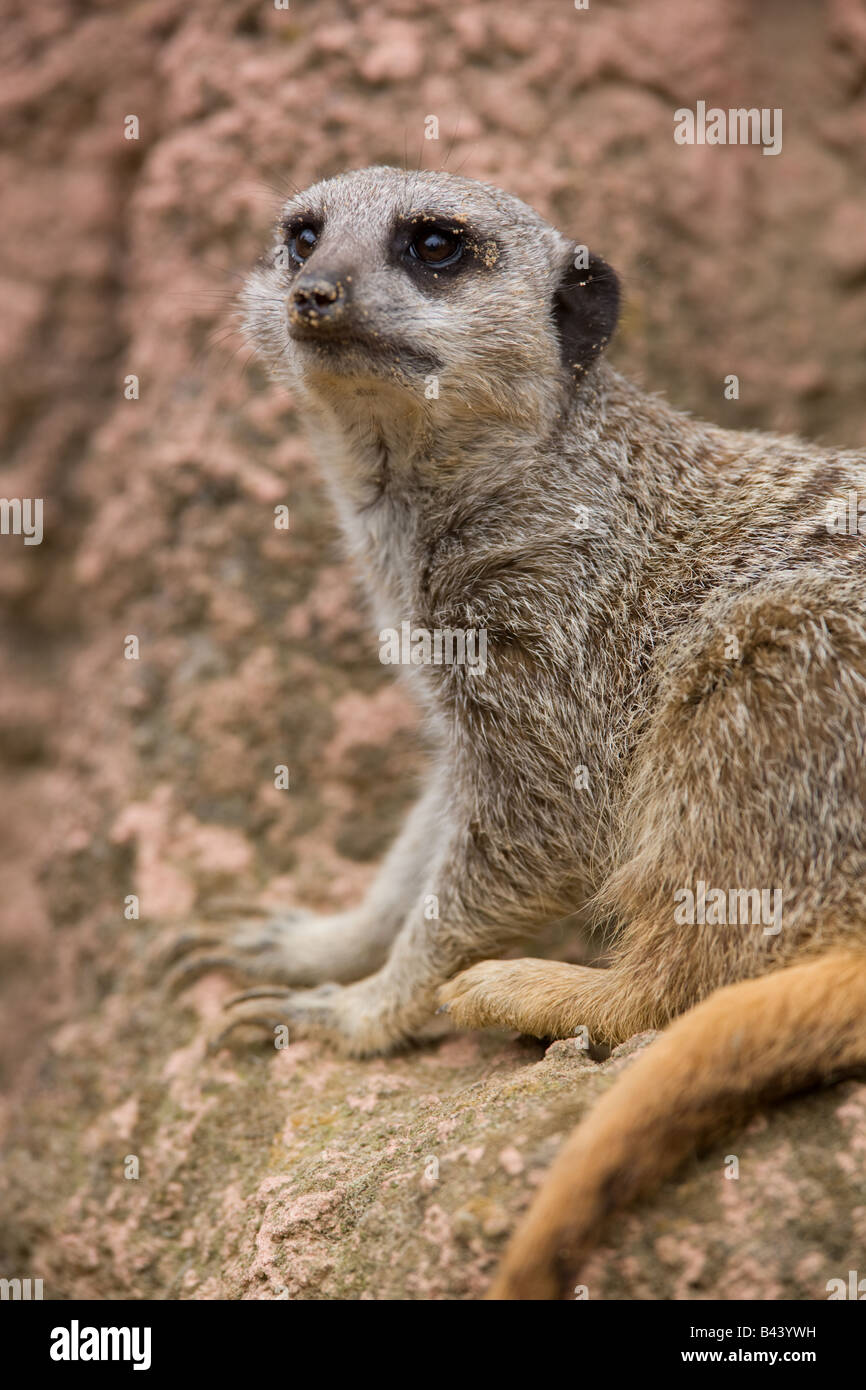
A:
(545, 998)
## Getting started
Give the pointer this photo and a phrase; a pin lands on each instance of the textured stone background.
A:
(295, 1171)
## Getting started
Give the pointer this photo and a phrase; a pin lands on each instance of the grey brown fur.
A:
(612, 548)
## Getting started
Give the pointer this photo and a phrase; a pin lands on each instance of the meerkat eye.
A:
(302, 242)
(436, 246)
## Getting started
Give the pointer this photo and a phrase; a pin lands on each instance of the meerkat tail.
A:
(745, 1044)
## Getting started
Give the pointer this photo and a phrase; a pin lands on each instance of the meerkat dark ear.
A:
(585, 309)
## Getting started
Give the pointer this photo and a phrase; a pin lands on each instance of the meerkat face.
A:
(455, 296)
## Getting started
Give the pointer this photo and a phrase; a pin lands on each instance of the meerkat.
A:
(668, 729)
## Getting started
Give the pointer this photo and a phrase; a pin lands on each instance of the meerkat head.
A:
(429, 293)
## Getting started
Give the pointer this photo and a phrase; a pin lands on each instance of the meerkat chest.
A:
(491, 636)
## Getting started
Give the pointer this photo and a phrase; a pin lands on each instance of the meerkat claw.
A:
(250, 1018)
(190, 971)
(260, 992)
(185, 944)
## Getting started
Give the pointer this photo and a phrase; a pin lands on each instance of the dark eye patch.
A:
(434, 249)
(437, 246)
(301, 236)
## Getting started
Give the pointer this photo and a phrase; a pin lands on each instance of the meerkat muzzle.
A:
(319, 301)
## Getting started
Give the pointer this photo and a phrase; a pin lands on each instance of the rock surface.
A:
(292, 1173)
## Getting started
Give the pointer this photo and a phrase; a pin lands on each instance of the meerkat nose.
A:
(318, 299)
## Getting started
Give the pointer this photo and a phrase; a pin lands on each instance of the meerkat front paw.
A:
(350, 1016)
(255, 949)
(544, 998)
(294, 948)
